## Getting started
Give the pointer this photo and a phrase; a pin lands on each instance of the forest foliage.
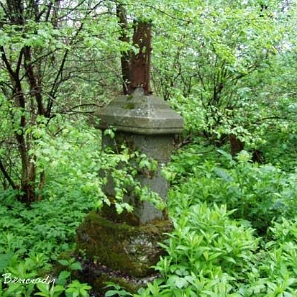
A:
(228, 67)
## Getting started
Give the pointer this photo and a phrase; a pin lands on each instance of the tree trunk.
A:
(236, 145)
(125, 56)
(25, 106)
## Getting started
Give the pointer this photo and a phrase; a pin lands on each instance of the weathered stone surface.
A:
(140, 114)
(157, 147)
(119, 246)
(146, 124)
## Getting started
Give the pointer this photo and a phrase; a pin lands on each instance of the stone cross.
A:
(129, 243)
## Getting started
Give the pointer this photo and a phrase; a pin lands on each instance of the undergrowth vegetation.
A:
(35, 238)
(235, 228)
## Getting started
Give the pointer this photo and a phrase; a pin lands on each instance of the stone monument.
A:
(145, 123)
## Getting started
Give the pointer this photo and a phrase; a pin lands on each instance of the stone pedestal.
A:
(128, 243)
(148, 125)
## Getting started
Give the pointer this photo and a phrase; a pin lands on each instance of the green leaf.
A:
(75, 266)
(64, 262)
(4, 260)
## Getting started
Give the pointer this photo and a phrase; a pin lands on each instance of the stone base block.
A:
(132, 250)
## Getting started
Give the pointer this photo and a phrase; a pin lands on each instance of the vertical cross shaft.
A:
(140, 61)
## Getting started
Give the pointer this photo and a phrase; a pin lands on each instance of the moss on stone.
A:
(129, 106)
(130, 249)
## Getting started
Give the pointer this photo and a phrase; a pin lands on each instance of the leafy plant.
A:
(206, 244)
(116, 290)
(77, 289)
(258, 193)
(46, 290)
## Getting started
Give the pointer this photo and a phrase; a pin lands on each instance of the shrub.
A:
(207, 252)
(259, 194)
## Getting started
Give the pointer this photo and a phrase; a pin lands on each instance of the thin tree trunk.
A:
(125, 56)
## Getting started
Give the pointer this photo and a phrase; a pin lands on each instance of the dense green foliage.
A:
(229, 67)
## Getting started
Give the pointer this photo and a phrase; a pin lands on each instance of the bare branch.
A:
(35, 89)
(7, 176)
(6, 62)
